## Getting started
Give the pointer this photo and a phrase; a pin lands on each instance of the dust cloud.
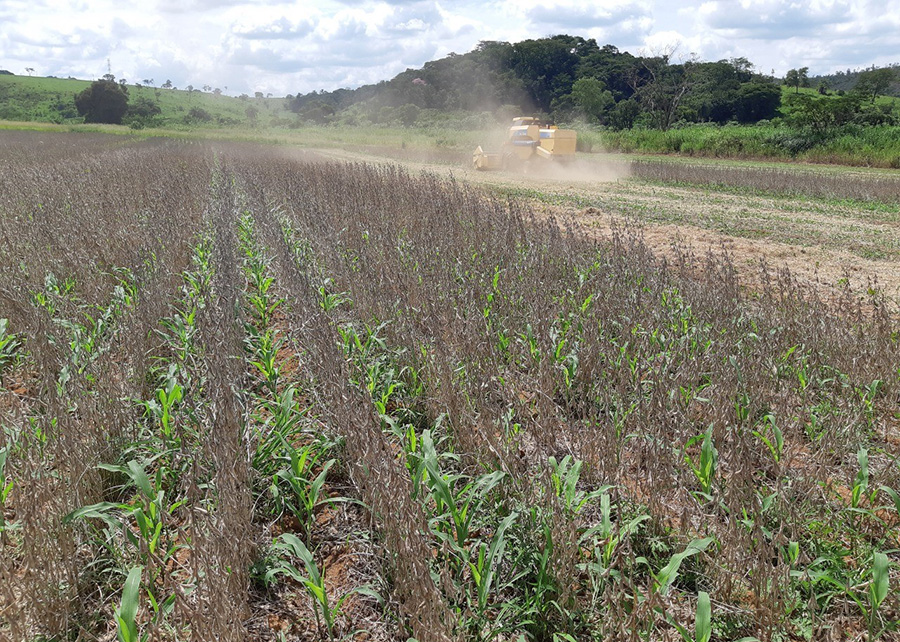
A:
(595, 169)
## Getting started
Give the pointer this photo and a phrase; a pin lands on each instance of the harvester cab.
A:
(528, 139)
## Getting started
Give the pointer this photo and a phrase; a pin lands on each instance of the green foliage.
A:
(476, 345)
(850, 145)
(565, 475)
(797, 78)
(304, 487)
(771, 436)
(757, 101)
(559, 75)
(703, 467)
(142, 112)
(624, 114)
(147, 530)
(821, 114)
(104, 101)
(6, 486)
(10, 346)
(873, 82)
(592, 97)
(669, 573)
(312, 579)
(198, 115)
(126, 614)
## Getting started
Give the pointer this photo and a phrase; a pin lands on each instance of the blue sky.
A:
(290, 47)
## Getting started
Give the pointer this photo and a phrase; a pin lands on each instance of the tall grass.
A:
(877, 146)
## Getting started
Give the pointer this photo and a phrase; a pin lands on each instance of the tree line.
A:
(563, 78)
(567, 77)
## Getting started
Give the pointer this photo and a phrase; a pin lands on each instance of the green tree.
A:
(104, 101)
(757, 101)
(407, 114)
(592, 97)
(715, 91)
(822, 114)
(142, 112)
(797, 78)
(614, 68)
(623, 115)
(875, 81)
(663, 88)
(198, 115)
(547, 67)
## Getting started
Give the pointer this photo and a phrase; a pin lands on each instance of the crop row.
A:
(298, 401)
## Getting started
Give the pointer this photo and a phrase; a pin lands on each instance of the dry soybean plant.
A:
(247, 397)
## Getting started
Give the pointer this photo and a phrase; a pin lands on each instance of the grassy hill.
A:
(34, 99)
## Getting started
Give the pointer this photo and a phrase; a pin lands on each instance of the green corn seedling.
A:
(530, 342)
(704, 468)
(668, 574)
(329, 300)
(604, 540)
(460, 505)
(894, 495)
(485, 566)
(878, 588)
(770, 434)
(150, 513)
(861, 482)
(282, 424)
(313, 581)
(264, 348)
(161, 409)
(565, 475)
(702, 623)
(126, 614)
(10, 346)
(6, 487)
(180, 331)
(306, 491)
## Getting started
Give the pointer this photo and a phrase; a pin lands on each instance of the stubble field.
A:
(251, 394)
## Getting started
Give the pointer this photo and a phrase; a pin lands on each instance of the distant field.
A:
(48, 100)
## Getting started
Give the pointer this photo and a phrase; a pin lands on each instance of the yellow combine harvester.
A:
(526, 140)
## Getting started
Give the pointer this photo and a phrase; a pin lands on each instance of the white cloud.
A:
(775, 19)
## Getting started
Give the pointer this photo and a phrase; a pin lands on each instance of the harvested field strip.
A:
(341, 401)
(868, 233)
(872, 187)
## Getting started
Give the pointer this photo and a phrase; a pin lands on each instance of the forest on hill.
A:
(567, 77)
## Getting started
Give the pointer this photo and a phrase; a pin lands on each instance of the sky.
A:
(289, 47)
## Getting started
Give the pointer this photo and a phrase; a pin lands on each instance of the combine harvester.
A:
(527, 140)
